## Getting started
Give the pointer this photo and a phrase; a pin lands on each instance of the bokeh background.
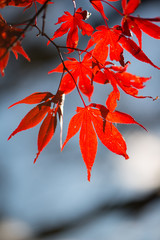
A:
(53, 199)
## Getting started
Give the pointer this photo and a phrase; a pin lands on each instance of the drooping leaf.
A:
(33, 118)
(49, 105)
(102, 119)
(108, 134)
(34, 98)
(46, 132)
(74, 126)
(18, 49)
(88, 142)
(129, 45)
(138, 24)
(87, 139)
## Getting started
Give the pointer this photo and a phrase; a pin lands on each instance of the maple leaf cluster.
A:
(9, 41)
(102, 61)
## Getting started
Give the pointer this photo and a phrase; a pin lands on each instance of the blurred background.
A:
(53, 199)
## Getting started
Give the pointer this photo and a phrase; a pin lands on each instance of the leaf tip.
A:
(142, 126)
(36, 158)
(12, 134)
(126, 156)
(62, 147)
(12, 105)
(89, 175)
(9, 137)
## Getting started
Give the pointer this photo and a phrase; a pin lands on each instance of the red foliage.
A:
(38, 113)
(80, 71)
(96, 65)
(101, 119)
(137, 24)
(9, 42)
(71, 24)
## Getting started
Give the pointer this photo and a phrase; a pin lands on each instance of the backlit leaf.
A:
(102, 119)
(33, 118)
(46, 132)
(34, 98)
(71, 24)
(130, 7)
(135, 50)
(80, 71)
(99, 7)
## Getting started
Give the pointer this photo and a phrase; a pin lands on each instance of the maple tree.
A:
(102, 61)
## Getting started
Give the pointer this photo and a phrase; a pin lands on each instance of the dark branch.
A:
(132, 207)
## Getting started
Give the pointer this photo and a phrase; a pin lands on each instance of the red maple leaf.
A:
(70, 24)
(43, 110)
(129, 83)
(114, 37)
(80, 71)
(8, 42)
(138, 24)
(129, 45)
(93, 120)
(104, 38)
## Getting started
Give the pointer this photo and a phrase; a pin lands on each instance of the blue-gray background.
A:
(53, 199)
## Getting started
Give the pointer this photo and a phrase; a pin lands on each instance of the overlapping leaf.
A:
(129, 45)
(112, 41)
(33, 118)
(46, 132)
(70, 24)
(138, 24)
(80, 72)
(129, 83)
(97, 120)
(43, 110)
(106, 42)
